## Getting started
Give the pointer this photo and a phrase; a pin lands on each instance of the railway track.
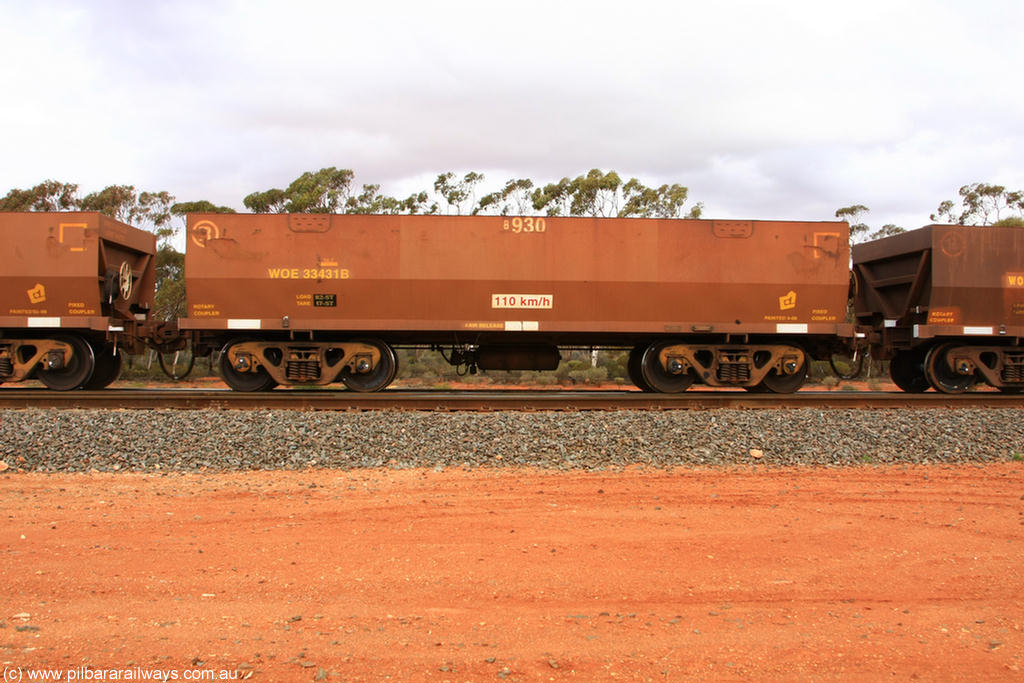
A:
(519, 400)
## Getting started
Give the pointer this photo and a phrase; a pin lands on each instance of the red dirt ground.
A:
(859, 574)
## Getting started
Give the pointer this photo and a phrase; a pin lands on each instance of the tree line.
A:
(596, 193)
(332, 190)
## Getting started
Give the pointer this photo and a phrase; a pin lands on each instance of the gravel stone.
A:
(50, 440)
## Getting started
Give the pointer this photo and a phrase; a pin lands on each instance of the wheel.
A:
(941, 376)
(77, 369)
(657, 377)
(377, 378)
(259, 380)
(635, 372)
(787, 384)
(107, 366)
(907, 371)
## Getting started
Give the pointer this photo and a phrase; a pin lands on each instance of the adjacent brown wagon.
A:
(946, 305)
(316, 299)
(75, 293)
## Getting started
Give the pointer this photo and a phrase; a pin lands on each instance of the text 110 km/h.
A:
(535, 301)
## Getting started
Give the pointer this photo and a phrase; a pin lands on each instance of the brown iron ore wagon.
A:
(75, 292)
(316, 298)
(946, 305)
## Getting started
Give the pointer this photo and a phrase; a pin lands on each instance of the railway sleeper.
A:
(303, 363)
(732, 366)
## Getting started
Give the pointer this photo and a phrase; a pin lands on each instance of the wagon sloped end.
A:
(77, 291)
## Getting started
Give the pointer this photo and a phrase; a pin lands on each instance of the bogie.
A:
(258, 365)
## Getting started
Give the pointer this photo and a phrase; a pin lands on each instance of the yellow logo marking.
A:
(37, 294)
(204, 231)
(74, 240)
(787, 301)
(1015, 279)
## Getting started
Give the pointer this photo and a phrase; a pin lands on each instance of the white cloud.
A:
(785, 110)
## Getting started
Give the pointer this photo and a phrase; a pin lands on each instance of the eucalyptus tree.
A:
(325, 191)
(981, 204)
(49, 195)
(458, 193)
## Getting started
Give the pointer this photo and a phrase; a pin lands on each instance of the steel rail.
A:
(466, 400)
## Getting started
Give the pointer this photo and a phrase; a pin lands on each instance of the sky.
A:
(770, 110)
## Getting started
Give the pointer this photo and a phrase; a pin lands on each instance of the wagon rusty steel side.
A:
(75, 290)
(946, 304)
(316, 298)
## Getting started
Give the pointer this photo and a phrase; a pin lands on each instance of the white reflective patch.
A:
(44, 322)
(917, 331)
(115, 328)
(513, 326)
(978, 330)
(791, 328)
(530, 326)
(890, 323)
(243, 324)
